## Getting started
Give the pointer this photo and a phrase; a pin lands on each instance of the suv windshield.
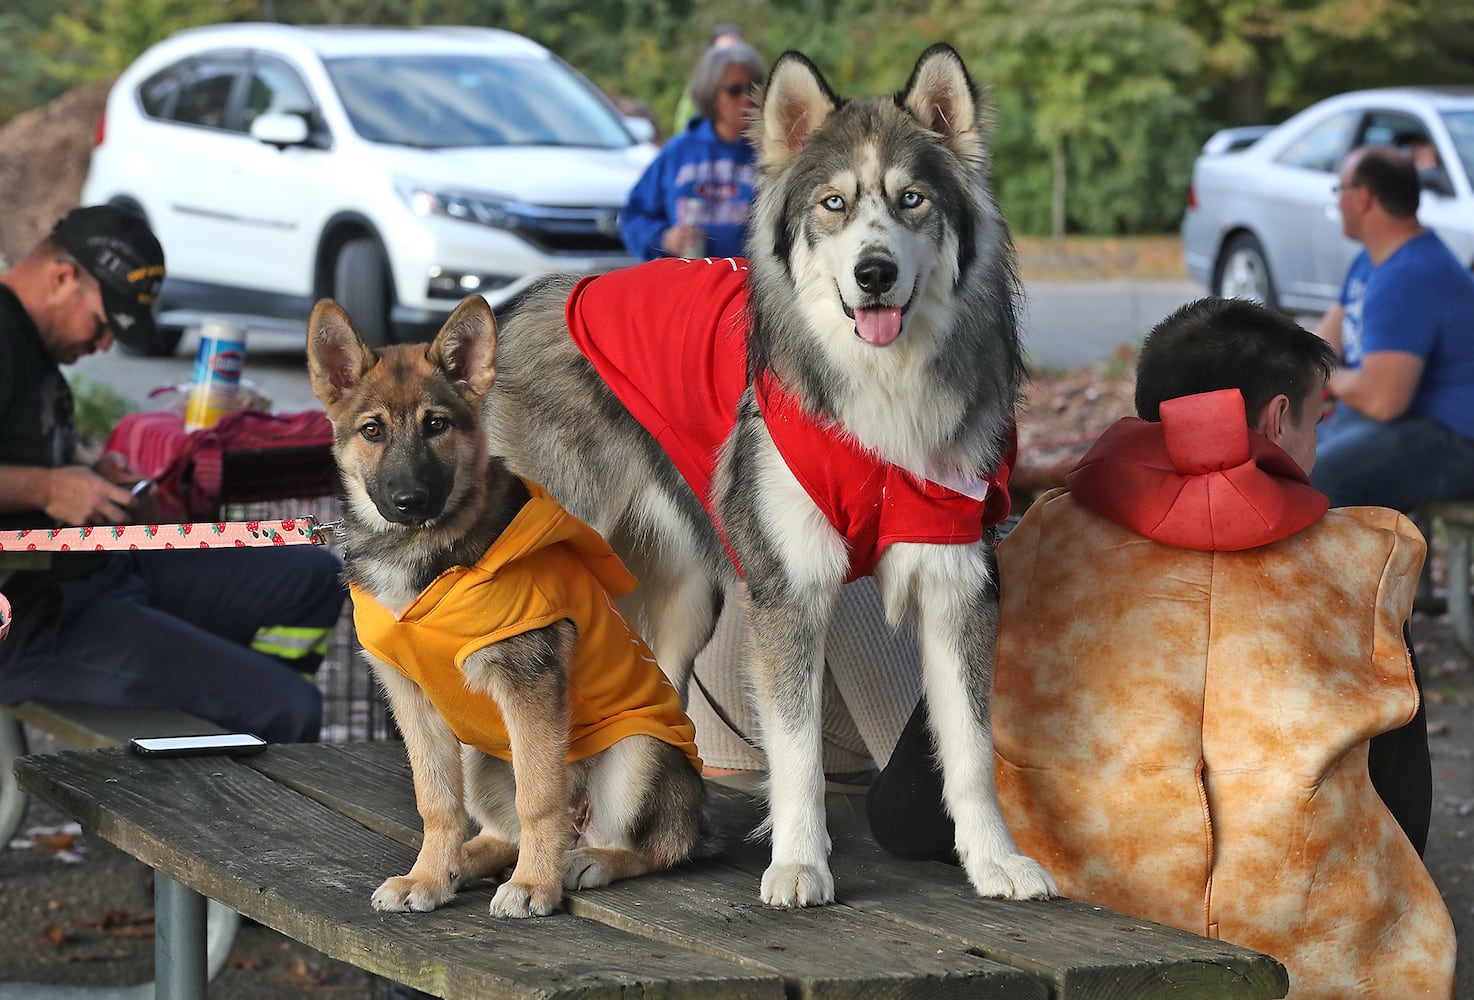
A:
(452, 101)
(1461, 127)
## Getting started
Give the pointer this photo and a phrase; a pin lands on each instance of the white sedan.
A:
(1262, 220)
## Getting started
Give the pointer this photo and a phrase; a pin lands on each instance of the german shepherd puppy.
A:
(486, 612)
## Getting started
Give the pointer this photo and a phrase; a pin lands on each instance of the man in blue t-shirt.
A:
(1402, 432)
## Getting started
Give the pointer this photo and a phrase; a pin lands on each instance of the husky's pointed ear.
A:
(465, 348)
(944, 98)
(337, 357)
(794, 103)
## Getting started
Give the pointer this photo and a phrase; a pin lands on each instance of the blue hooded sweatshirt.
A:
(697, 178)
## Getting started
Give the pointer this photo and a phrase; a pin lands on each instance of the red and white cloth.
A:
(670, 340)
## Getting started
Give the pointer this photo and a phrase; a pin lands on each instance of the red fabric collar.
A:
(1200, 479)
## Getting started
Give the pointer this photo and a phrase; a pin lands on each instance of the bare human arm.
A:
(1329, 328)
(71, 494)
(1383, 387)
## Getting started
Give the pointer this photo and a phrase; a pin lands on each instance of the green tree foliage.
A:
(97, 408)
(1108, 93)
(94, 40)
(1101, 104)
(23, 81)
(1265, 59)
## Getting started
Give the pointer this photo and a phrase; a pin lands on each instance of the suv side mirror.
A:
(279, 129)
(1436, 179)
(640, 128)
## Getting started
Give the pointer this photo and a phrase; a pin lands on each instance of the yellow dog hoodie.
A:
(546, 566)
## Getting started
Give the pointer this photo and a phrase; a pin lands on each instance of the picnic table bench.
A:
(1456, 517)
(77, 725)
(83, 725)
(298, 837)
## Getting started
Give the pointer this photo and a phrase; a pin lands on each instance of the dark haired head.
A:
(1388, 173)
(1218, 343)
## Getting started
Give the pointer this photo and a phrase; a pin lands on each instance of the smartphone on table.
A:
(234, 744)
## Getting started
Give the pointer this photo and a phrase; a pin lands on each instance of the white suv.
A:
(395, 170)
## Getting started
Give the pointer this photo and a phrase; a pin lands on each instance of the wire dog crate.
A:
(273, 483)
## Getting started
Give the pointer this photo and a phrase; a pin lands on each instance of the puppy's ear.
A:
(465, 348)
(792, 106)
(337, 357)
(943, 97)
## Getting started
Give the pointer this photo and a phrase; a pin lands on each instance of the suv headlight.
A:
(467, 206)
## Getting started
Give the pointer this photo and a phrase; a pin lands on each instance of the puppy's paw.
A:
(1013, 876)
(793, 885)
(402, 893)
(584, 870)
(513, 899)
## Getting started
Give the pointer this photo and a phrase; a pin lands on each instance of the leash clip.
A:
(316, 530)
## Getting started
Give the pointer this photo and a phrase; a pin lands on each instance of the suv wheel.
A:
(1243, 272)
(362, 286)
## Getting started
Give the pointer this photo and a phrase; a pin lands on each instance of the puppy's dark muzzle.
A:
(410, 502)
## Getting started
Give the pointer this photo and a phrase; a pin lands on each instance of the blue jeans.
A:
(173, 630)
(1399, 464)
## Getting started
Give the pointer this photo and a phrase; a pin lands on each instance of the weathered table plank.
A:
(709, 907)
(1066, 943)
(260, 852)
(1087, 958)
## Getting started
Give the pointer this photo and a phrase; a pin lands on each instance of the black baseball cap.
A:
(118, 249)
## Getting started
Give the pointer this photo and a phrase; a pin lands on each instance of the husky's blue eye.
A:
(834, 203)
(912, 199)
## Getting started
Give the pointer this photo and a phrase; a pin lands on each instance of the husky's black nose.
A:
(876, 275)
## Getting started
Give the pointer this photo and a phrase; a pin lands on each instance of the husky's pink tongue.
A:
(878, 326)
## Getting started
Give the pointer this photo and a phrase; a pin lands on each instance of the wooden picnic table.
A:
(299, 837)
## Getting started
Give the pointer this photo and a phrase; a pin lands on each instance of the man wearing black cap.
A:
(195, 630)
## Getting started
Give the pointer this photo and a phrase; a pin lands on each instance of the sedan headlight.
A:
(468, 206)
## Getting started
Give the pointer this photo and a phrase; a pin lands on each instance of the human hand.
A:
(145, 509)
(114, 467)
(685, 240)
(144, 506)
(77, 495)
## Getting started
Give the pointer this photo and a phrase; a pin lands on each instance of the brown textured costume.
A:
(1182, 732)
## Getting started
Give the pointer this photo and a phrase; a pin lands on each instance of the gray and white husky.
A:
(877, 304)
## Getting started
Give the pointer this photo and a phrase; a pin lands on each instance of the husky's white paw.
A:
(402, 893)
(1013, 876)
(792, 885)
(583, 870)
(514, 900)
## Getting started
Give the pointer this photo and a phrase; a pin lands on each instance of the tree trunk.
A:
(1057, 200)
(1245, 99)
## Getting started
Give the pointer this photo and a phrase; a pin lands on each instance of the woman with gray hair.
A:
(694, 198)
